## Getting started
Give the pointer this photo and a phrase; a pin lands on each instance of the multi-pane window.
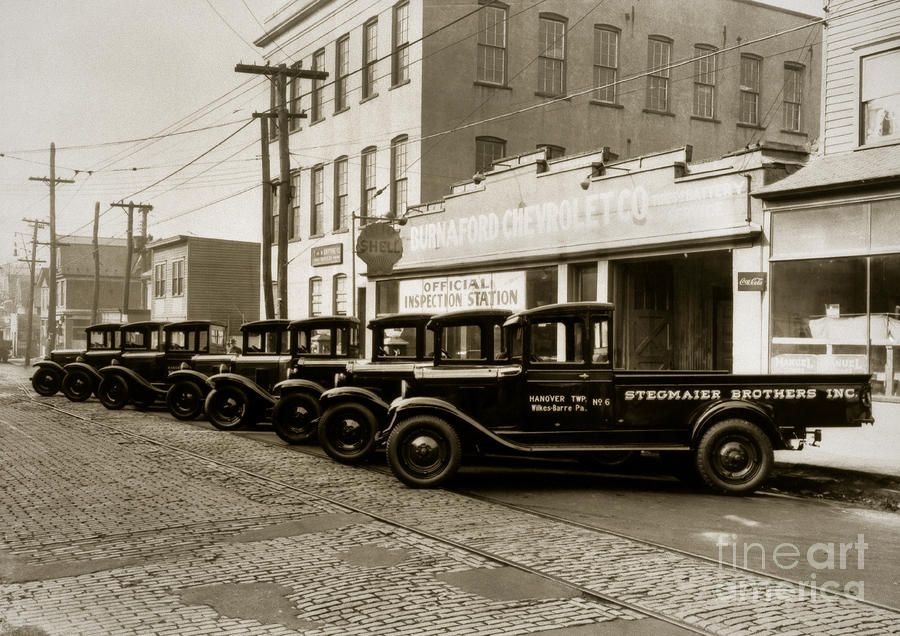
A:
(315, 296)
(491, 57)
(178, 277)
(294, 107)
(370, 57)
(750, 71)
(659, 57)
(552, 56)
(880, 97)
(340, 294)
(273, 108)
(317, 209)
(341, 72)
(368, 183)
(294, 229)
(704, 81)
(273, 213)
(399, 187)
(400, 58)
(159, 280)
(341, 209)
(488, 149)
(793, 96)
(318, 95)
(606, 64)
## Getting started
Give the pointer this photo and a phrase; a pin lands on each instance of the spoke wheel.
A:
(113, 392)
(294, 417)
(734, 457)
(424, 451)
(77, 385)
(227, 408)
(347, 433)
(185, 400)
(46, 381)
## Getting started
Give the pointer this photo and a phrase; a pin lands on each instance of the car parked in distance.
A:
(48, 377)
(355, 412)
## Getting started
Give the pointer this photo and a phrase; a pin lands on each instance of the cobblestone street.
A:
(134, 523)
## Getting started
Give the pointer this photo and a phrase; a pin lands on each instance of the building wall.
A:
(851, 34)
(167, 306)
(222, 281)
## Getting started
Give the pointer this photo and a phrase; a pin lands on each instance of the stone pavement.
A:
(187, 530)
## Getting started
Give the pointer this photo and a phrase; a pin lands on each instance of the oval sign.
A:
(380, 247)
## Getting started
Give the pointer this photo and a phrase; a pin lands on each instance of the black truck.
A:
(557, 394)
(354, 413)
(82, 378)
(48, 377)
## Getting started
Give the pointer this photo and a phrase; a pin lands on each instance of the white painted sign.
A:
(503, 290)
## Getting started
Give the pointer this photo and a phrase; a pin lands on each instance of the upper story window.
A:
(294, 226)
(606, 64)
(491, 59)
(399, 186)
(400, 57)
(659, 56)
(318, 95)
(159, 280)
(341, 72)
(552, 56)
(341, 209)
(317, 209)
(880, 97)
(315, 296)
(487, 149)
(340, 294)
(273, 107)
(294, 107)
(61, 293)
(370, 57)
(793, 96)
(274, 216)
(704, 81)
(178, 277)
(368, 183)
(751, 69)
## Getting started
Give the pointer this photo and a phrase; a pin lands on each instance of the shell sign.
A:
(380, 247)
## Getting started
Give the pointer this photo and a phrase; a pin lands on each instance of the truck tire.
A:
(347, 432)
(113, 392)
(424, 451)
(185, 400)
(293, 417)
(734, 457)
(77, 385)
(45, 381)
(227, 408)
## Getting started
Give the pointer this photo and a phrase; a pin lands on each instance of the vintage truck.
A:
(354, 413)
(309, 353)
(48, 377)
(82, 378)
(557, 394)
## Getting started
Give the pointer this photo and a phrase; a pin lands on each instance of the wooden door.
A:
(648, 321)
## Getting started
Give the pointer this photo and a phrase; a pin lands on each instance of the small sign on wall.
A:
(328, 255)
(752, 281)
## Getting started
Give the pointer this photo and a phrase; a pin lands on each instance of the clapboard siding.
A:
(223, 280)
(168, 306)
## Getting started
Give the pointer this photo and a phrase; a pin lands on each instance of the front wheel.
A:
(734, 457)
(77, 385)
(46, 381)
(227, 408)
(424, 451)
(293, 417)
(185, 400)
(113, 392)
(347, 433)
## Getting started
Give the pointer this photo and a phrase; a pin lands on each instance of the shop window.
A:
(880, 97)
(387, 297)
(885, 228)
(660, 56)
(606, 64)
(884, 305)
(541, 286)
(583, 283)
(810, 232)
(491, 54)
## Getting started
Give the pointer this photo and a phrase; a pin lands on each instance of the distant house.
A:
(196, 278)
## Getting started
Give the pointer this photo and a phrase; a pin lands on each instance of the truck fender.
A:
(84, 366)
(297, 385)
(50, 364)
(759, 415)
(359, 395)
(131, 378)
(189, 375)
(249, 386)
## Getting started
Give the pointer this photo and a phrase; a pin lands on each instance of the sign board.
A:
(501, 290)
(328, 255)
(380, 247)
(752, 281)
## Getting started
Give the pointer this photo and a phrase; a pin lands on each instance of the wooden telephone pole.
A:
(130, 206)
(95, 301)
(35, 225)
(280, 74)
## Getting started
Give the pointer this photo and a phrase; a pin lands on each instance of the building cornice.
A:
(287, 23)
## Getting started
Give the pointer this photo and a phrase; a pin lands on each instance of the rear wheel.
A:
(46, 381)
(113, 392)
(734, 457)
(77, 385)
(228, 408)
(424, 451)
(347, 433)
(293, 417)
(185, 400)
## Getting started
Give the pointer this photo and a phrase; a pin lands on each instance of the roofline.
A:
(145, 323)
(273, 322)
(317, 320)
(399, 318)
(288, 23)
(562, 307)
(763, 5)
(192, 323)
(827, 187)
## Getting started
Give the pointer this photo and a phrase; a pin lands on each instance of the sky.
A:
(99, 72)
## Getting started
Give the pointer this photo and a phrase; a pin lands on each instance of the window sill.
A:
(711, 120)
(316, 236)
(597, 102)
(741, 124)
(343, 110)
(664, 113)
(503, 87)
(340, 230)
(316, 121)
(878, 144)
(369, 98)
(794, 132)
(400, 84)
(296, 239)
(553, 95)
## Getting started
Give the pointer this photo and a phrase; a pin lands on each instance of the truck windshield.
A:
(102, 339)
(264, 342)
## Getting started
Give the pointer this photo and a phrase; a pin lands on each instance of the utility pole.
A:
(129, 238)
(266, 217)
(52, 180)
(35, 224)
(280, 74)
(95, 303)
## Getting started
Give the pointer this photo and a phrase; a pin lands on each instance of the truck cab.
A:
(104, 344)
(48, 377)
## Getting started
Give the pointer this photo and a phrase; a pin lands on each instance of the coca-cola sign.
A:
(752, 281)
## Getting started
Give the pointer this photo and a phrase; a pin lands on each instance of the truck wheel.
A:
(46, 381)
(424, 451)
(293, 417)
(185, 400)
(227, 408)
(734, 457)
(347, 433)
(113, 392)
(77, 385)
